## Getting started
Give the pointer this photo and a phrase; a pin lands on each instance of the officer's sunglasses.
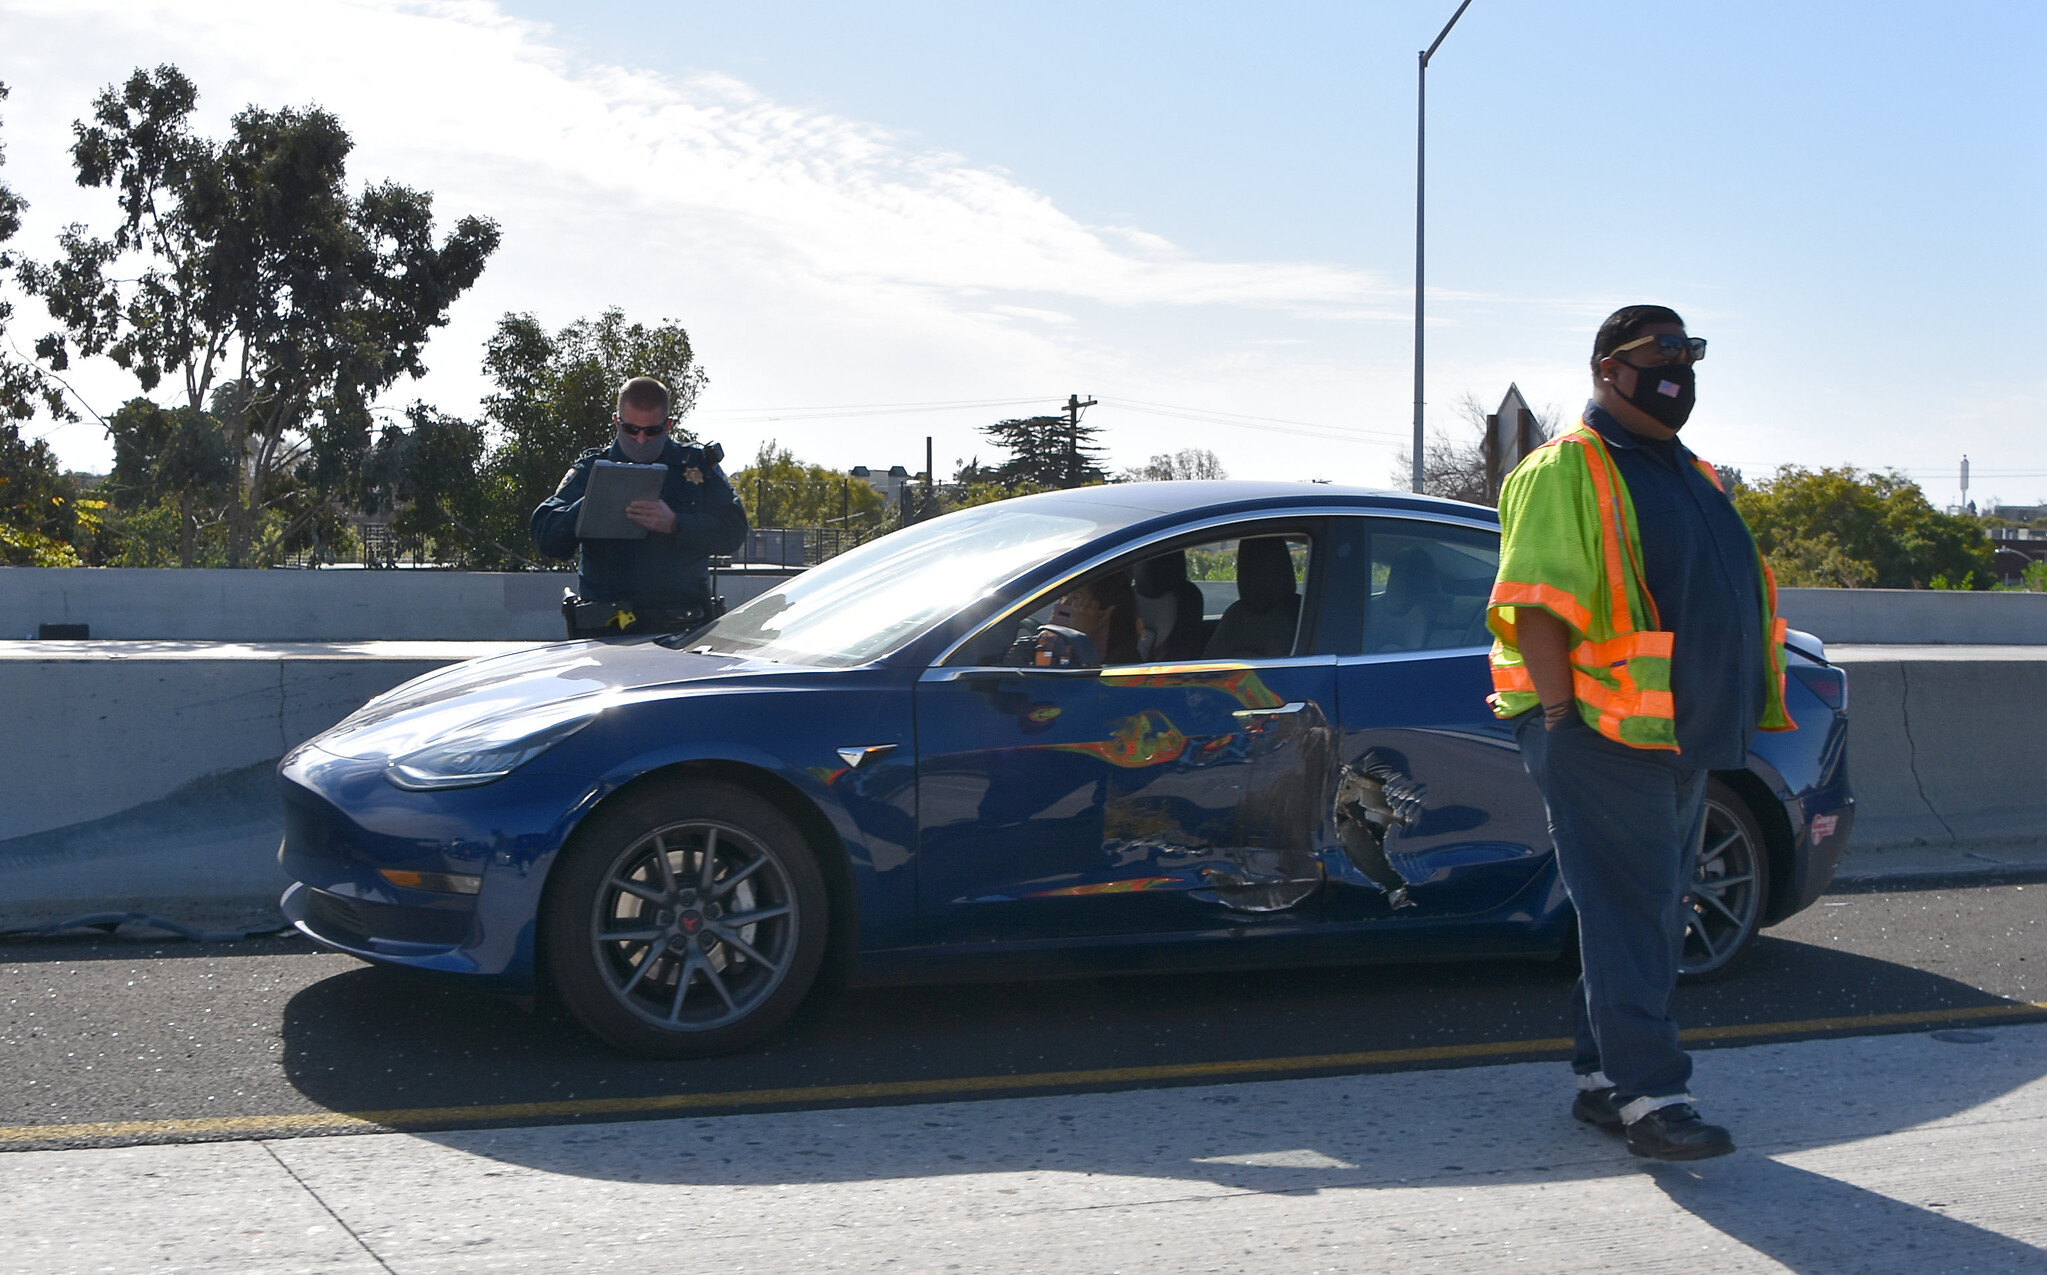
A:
(1673, 348)
(643, 431)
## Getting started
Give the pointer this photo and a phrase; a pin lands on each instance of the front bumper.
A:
(344, 824)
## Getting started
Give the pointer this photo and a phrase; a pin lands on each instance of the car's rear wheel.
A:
(688, 919)
(1730, 887)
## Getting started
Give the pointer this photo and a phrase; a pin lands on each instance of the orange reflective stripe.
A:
(1618, 651)
(1623, 703)
(1609, 526)
(1512, 677)
(1712, 474)
(1507, 593)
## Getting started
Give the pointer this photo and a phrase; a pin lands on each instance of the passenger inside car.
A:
(1105, 608)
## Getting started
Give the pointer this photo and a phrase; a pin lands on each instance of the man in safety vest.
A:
(1638, 648)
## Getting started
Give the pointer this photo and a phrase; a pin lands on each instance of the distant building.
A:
(889, 483)
(2018, 513)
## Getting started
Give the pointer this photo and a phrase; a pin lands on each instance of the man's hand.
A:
(654, 515)
(1545, 650)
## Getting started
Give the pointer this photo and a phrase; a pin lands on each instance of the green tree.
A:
(1845, 528)
(555, 397)
(1047, 451)
(245, 273)
(23, 387)
(779, 490)
(174, 458)
(432, 483)
(38, 505)
(1188, 462)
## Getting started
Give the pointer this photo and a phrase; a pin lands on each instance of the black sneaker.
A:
(1676, 1133)
(1595, 1107)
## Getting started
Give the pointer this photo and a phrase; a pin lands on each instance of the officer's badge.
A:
(694, 474)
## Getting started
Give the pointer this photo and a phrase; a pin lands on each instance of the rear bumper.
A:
(1823, 838)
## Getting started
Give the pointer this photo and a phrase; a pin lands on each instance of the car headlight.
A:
(486, 751)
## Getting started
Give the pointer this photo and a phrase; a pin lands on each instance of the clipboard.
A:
(611, 488)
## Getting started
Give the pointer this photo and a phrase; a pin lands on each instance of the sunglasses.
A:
(643, 431)
(1689, 348)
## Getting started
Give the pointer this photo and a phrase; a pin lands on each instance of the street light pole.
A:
(1421, 104)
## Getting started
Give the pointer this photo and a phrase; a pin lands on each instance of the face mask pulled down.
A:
(1666, 393)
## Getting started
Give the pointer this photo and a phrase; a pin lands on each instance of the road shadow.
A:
(379, 1041)
(1818, 1225)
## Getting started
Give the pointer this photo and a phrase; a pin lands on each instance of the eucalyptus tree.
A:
(246, 275)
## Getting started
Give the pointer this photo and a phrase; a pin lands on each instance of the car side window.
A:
(1229, 598)
(1429, 585)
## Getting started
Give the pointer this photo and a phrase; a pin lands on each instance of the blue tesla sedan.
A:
(1135, 727)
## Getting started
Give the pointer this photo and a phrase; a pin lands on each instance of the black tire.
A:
(687, 919)
(1730, 887)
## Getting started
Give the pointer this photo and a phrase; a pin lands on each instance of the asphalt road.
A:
(114, 1042)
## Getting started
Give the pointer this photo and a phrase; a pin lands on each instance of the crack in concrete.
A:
(346, 1229)
(1912, 752)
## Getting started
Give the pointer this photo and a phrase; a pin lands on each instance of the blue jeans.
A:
(1626, 822)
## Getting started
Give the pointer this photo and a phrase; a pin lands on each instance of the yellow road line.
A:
(418, 1117)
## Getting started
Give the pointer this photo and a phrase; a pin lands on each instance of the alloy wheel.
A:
(694, 925)
(1725, 903)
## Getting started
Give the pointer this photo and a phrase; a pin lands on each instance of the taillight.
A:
(1828, 683)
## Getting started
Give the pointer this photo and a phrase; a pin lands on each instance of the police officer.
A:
(661, 583)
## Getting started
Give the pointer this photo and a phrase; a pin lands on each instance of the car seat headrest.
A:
(1157, 576)
(1265, 571)
(1410, 577)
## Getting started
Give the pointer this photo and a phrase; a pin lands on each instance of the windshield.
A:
(867, 602)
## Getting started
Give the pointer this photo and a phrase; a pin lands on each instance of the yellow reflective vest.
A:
(1569, 544)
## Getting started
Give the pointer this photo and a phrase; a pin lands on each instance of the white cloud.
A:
(814, 258)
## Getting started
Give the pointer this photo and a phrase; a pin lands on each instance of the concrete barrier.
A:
(1944, 746)
(137, 775)
(1917, 616)
(335, 605)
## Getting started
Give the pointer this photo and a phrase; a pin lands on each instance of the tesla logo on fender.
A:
(1823, 827)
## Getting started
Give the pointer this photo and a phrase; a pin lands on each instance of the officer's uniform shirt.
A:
(661, 571)
(1700, 565)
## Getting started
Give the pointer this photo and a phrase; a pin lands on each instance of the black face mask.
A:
(1666, 392)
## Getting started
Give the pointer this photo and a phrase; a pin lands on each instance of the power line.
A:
(1267, 424)
(753, 415)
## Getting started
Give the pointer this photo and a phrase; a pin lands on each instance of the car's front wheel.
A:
(688, 919)
(1730, 887)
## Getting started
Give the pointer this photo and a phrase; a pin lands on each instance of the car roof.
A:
(1164, 498)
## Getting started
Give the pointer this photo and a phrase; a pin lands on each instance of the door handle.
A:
(1294, 707)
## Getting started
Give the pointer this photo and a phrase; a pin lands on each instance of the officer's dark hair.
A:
(645, 394)
(1624, 325)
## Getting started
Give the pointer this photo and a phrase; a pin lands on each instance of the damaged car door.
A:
(1149, 796)
(1436, 815)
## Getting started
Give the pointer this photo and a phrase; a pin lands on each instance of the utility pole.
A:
(1421, 103)
(1073, 410)
(929, 505)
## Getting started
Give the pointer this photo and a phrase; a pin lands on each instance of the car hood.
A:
(566, 679)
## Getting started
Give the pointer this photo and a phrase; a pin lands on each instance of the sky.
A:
(897, 219)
